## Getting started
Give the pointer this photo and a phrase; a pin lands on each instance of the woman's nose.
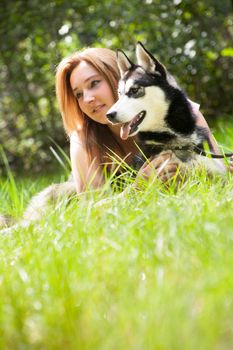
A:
(88, 97)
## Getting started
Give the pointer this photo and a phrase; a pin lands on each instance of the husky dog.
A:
(152, 106)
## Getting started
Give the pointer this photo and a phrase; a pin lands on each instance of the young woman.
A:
(86, 87)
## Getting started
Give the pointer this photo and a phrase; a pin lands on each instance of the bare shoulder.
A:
(78, 151)
(75, 139)
(85, 171)
(79, 160)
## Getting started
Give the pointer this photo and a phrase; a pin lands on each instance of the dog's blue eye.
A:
(134, 90)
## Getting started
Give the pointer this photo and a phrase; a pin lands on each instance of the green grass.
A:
(151, 270)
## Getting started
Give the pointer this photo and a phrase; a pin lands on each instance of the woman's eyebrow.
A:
(86, 80)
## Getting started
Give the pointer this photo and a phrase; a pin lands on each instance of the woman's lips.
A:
(98, 108)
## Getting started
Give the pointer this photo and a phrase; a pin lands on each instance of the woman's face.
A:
(92, 91)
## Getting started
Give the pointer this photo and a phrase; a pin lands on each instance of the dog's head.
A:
(142, 104)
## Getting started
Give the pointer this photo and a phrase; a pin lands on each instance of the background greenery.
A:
(193, 38)
(153, 270)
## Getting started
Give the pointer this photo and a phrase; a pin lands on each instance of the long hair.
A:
(96, 138)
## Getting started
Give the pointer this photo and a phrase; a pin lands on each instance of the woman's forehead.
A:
(82, 74)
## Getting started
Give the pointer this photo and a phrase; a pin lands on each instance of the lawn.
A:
(151, 270)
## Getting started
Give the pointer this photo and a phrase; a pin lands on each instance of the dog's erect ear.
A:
(148, 62)
(123, 62)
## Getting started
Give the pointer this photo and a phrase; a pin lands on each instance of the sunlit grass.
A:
(149, 270)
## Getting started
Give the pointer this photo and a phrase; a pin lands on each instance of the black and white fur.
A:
(152, 106)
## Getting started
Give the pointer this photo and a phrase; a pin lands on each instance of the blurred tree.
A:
(193, 39)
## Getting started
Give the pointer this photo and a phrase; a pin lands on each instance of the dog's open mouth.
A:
(129, 128)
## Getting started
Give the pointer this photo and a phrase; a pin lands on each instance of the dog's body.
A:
(152, 106)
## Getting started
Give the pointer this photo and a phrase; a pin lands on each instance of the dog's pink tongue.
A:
(125, 130)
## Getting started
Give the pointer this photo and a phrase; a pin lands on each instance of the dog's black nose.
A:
(111, 116)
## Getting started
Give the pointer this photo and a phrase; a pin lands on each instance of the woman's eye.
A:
(79, 95)
(94, 83)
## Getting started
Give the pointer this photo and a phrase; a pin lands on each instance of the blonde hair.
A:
(92, 133)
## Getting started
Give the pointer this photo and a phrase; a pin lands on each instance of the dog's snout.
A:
(111, 116)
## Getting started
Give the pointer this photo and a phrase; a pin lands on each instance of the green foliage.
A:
(151, 270)
(192, 38)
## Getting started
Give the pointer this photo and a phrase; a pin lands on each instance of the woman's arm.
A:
(85, 175)
(202, 122)
(219, 162)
